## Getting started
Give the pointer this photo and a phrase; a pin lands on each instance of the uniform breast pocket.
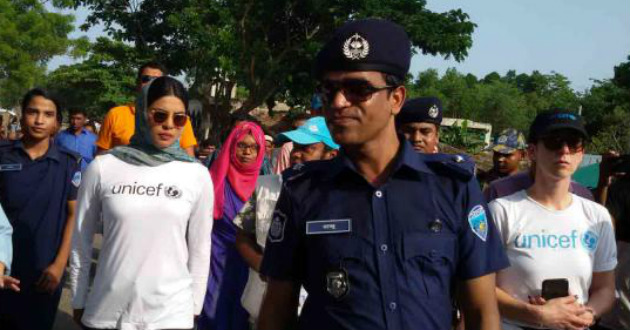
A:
(429, 262)
(333, 249)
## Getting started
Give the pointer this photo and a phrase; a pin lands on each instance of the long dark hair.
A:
(167, 86)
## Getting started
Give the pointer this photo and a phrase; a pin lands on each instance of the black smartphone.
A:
(555, 288)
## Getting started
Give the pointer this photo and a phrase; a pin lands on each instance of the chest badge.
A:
(337, 283)
(436, 226)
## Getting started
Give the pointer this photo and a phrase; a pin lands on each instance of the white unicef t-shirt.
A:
(544, 244)
(153, 266)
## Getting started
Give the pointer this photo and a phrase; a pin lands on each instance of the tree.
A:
(106, 78)
(606, 107)
(29, 37)
(266, 46)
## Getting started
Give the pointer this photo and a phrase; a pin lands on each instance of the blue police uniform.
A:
(34, 195)
(381, 257)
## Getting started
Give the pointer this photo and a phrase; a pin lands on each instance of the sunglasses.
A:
(354, 90)
(557, 142)
(147, 79)
(159, 117)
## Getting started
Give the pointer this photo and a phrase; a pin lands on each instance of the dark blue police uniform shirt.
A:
(34, 195)
(402, 244)
(84, 144)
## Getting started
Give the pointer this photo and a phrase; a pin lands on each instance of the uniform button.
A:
(379, 194)
(384, 247)
(392, 306)
(434, 253)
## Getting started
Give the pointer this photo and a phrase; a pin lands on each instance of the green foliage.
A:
(462, 137)
(29, 37)
(265, 46)
(607, 109)
(615, 136)
(105, 79)
(513, 100)
(503, 101)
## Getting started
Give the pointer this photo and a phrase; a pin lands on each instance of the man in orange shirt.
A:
(119, 123)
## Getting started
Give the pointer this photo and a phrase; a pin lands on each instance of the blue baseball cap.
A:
(314, 130)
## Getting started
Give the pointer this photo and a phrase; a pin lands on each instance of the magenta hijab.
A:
(242, 177)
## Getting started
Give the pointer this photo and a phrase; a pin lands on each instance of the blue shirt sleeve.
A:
(481, 251)
(281, 258)
(6, 245)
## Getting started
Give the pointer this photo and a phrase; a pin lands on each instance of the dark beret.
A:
(366, 45)
(421, 109)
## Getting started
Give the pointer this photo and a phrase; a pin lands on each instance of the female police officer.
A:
(377, 235)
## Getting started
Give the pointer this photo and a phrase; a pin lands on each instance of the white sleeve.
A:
(500, 217)
(6, 242)
(605, 258)
(87, 214)
(198, 236)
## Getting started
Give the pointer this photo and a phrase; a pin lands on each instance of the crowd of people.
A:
(353, 219)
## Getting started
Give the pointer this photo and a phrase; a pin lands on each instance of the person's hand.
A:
(50, 278)
(77, 314)
(9, 283)
(537, 300)
(564, 314)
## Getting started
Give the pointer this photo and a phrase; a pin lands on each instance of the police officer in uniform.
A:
(419, 121)
(378, 235)
(38, 189)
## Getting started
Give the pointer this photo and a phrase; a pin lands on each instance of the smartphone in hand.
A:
(555, 288)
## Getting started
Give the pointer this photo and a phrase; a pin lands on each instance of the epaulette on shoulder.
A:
(75, 156)
(303, 170)
(6, 145)
(461, 167)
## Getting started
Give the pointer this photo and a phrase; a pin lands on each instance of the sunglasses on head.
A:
(575, 143)
(146, 79)
(354, 90)
(159, 117)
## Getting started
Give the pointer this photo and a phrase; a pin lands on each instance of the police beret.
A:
(366, 45)
(422, 109)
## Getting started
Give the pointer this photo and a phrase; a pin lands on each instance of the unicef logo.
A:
(589, 240)
(173, 192)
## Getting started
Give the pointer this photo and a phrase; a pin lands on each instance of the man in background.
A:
(77, 138)
(507, 153)
(419, 121)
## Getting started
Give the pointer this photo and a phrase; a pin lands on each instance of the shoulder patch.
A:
(478, 222)
(76, 179)
(276, 229)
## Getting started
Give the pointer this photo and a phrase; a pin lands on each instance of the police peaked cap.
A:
(366, 45)
(421, 109)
